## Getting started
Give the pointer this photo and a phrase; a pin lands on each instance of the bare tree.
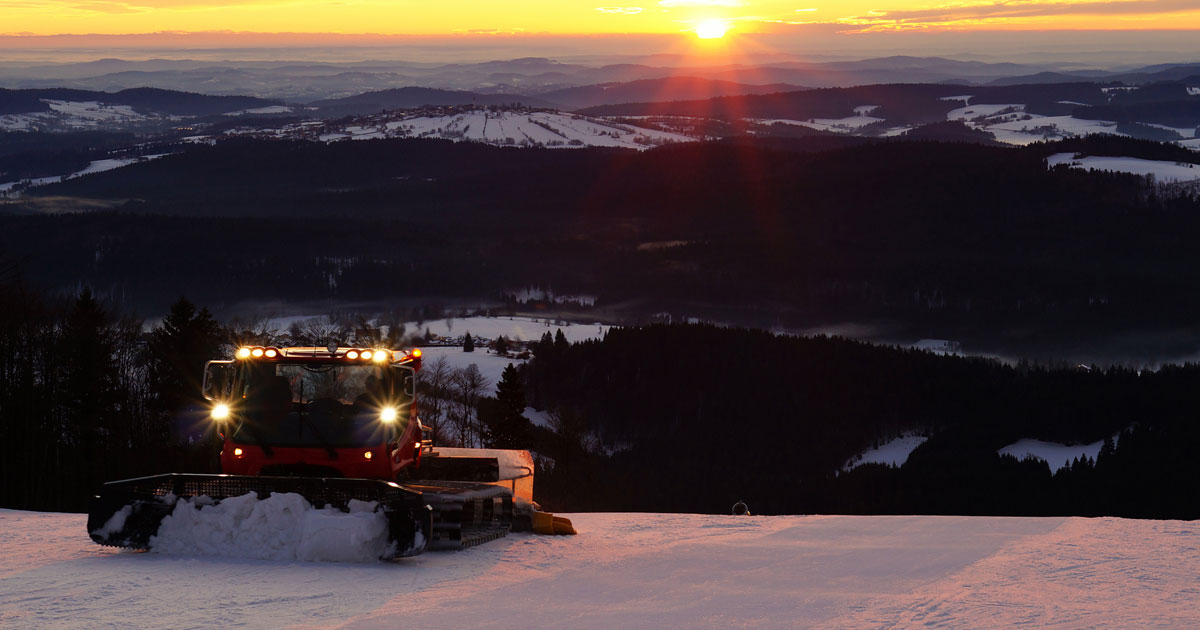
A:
(322, 331)
(435, 396)
(468, 386)
(256, 330)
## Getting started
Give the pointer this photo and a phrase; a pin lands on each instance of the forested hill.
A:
(907, 103)
(700, 417)
(147, 100)
(948, 240)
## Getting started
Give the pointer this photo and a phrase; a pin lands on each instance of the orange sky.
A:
(570, 17)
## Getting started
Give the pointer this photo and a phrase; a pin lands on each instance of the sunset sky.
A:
(573, 17)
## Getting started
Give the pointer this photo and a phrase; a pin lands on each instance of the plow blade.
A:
(128, 513)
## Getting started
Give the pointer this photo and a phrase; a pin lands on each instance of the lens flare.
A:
(388, 414)
(220, 412)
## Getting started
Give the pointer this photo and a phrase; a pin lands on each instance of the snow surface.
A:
(893, 453)
(639, 571)
(1162, 171)
(1056, 455)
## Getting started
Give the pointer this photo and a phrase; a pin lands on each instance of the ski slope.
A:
(639, 571)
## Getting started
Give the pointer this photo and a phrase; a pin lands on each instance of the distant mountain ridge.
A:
(144, 99)
(665, 89)
(306, 81)
(413, 97)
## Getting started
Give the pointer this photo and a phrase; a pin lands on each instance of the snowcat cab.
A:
(312, 412)
(334, 425)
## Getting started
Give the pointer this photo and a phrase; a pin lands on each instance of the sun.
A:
(712, 29)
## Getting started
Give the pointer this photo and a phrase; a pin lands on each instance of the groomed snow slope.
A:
(639, 571)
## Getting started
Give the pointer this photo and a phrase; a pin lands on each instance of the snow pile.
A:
(115, 523)
(282, 527)
(1057, 455)
(893, 453)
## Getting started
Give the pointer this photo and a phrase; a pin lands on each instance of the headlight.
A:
(388, 414)
(220, 412)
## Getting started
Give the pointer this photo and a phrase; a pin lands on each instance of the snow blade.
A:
(127, 513)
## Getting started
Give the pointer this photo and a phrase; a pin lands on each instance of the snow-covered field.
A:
(893, 452)
(639, 571)
(518, 328)
(1162, 171)
(488, 328)
(96, 166)
(74, 115)
(509, 127)
(836, 125)
(491, 366)
(1054, 454)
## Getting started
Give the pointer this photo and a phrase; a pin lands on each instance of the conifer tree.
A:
(179, 348)
(506, 426)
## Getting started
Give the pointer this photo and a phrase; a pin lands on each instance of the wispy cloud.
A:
(620, 10)
(701, 3)
(129, 6)
(1006, 10)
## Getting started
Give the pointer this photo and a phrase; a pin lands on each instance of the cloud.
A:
(700, 3)
(1019, 9)
(127, 6)
(620, 10)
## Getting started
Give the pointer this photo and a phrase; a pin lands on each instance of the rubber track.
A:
(465, 514)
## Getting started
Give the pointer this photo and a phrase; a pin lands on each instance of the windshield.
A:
(322, 405)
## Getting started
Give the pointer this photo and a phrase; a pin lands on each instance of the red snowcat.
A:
(332, 424)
